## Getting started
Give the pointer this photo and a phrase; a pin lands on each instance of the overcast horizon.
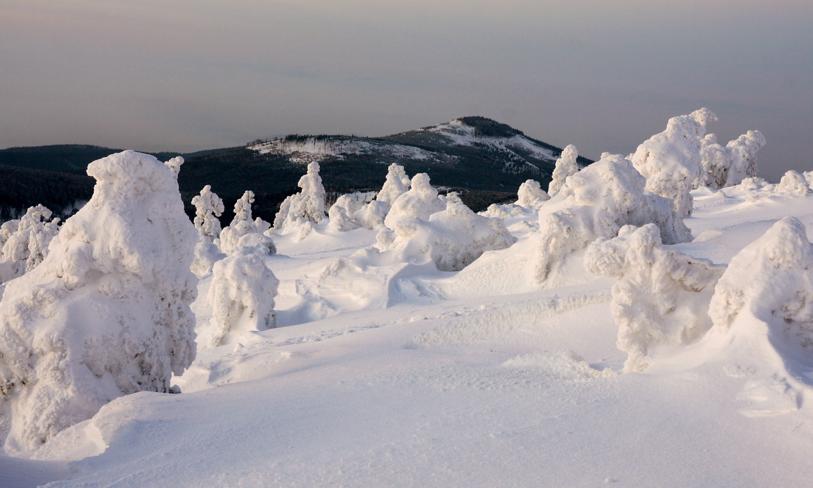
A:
(197, 75)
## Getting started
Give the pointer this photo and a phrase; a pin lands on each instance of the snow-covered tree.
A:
(742, 152)
(242, 225)
(348, 212)
(793, 184)
(566, 165)
(208, 207)
(452, 238)
(241, 293)
(595, 203)
(395, 185)
(670, 160)
(661, 297)
(531, 195)
(175, 164)
(107, 311)
(419, 202)
(24, 242)
(714, 163)
(306, 207)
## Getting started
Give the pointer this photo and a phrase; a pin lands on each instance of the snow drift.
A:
(107, 311)
(595, 203)
(661, 296)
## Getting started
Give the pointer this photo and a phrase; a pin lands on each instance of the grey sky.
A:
(603, 75)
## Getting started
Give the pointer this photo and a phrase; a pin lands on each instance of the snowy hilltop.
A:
(644, 320)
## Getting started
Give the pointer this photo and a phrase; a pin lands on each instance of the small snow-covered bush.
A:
(793, 184)
(452, 238)
(242, 225)
(531, 195)
(24, 242)
(661, 296)
(771, 279)
(742, 153)
(419, 202)
(350, 212)
(595, 203)
(241, 293)
(566, 165)
(670, 160)
(305, 208)
(107, 311)
(208, 207)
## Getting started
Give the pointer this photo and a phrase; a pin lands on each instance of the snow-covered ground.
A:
(392, 374)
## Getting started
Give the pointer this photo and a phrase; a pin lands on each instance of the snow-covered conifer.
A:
(306, 207)
(670, 160)
(208, 208)
(661, 296)
(566, 165)
(419, 202)
(531, 195)
(24, 242)
(742, 153)
(395, 185)
(107, 311)
(242, 225)
(175, 164)
(595, 203)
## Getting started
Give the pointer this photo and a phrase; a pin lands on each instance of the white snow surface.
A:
(382, 372)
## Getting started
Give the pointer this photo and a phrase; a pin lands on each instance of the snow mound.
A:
(452, 238)
(107, 311)
(566, 165)
(24, 242)
(670, 160)
(418, 203)
(350, 211)
(595, 203)
(793, 184)
(661, 297)
(300, 211)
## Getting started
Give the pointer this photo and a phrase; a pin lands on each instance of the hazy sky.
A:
(604, 75)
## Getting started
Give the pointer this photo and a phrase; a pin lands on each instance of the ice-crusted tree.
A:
(306, 207)
(770, 280)
(241, 292)
(396, 184)
(566, 165)
(531, 195)
(670, 160)
(243, 225)
(793, 183)
(107, 311)
(419, 202)
(595, 203)
(742, 153)
(452, 238)
(714, 163)
(24, 242)
(175, 164)
(661, 297)
(208, 207)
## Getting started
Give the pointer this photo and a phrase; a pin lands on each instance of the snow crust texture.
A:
(107, 311)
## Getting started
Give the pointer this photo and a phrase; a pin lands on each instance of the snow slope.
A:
(383, 373)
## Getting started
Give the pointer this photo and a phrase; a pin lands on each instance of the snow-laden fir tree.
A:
(419, 202)
(242, 225)
(670, 160)
(661, 297)
(531, 195)
(742, 153)
(595, 203)
(107, 312)
(566, 165)
(396, 184)
(208, 207)
(300, 211)
(24, 242)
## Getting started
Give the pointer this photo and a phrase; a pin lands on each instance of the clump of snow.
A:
(742, 153)
(107, 311)
(670, 160)
(771, 279)
(531, 195)
(595, 203)
(793, 184)
(661, 296)
(208, 207)
(419, 202)
(301, 210)
(452, 238)
(24, 242)
(566, 165)
(241, 293)
(242, 225)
